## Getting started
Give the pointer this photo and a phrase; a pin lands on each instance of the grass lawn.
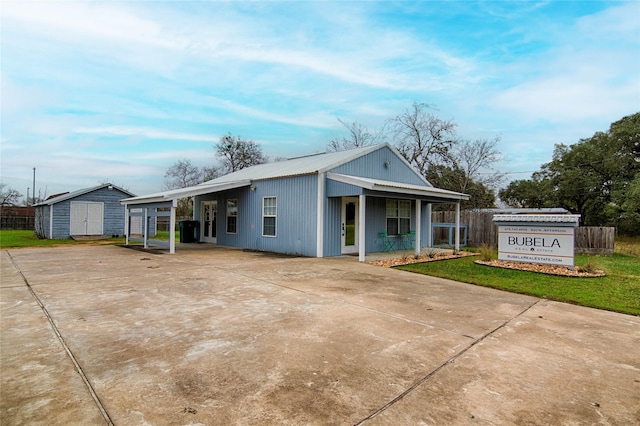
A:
(618, 291)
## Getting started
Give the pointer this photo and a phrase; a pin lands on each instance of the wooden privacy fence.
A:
(595, 240)
(482, 230)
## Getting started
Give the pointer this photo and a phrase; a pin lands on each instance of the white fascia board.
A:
(185, 192)
(396, 187)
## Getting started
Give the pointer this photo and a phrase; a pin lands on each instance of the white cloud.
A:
(144, 132)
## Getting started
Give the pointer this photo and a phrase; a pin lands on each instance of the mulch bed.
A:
(543, 269)
(390, 263)
(530, 267)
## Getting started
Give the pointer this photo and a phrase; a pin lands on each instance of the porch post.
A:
(126, 224)
(172, 227)
(146, 228)
(429, 226)
(361, 227)
(418, 227)
(457, 236)
(320, 216)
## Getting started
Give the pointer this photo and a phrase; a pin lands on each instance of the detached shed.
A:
(90, 211)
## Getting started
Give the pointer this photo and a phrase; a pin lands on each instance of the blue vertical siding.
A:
(372, 166)
(113, 212)
(296, 215)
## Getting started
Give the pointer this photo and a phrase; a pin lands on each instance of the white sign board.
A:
(536, 244)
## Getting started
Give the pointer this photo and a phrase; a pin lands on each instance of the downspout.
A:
(51, 221)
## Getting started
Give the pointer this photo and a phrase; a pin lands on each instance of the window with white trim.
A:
(398, 217)
(269, 216)
(232, 216)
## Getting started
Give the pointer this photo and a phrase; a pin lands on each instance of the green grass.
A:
(19, 239)
(618, 291)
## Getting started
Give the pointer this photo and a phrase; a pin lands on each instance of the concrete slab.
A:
(221, 336)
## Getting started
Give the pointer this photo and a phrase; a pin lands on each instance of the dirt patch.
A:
(405, 260)
(543, 269)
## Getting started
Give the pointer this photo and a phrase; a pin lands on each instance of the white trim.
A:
(227, 215)
(429, 226)
(186, 192)
(320, 216)
(457, 236)
(418, 226)
(361, 227)
(172, 227)
(274, 216)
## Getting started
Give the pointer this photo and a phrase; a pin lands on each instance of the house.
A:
(359, 201)
(90, 211)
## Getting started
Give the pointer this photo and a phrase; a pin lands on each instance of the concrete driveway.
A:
(222, 336)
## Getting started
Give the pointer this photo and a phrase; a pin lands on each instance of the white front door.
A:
(349, 225)
(209, 213)
(86, 218)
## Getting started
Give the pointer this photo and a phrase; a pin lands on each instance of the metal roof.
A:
(69, 195)
(548, 218)
(310, 164)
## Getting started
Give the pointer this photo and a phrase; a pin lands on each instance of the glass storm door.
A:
(349, 225)
(209, 213)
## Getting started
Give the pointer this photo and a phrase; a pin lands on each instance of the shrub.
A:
(487, 253)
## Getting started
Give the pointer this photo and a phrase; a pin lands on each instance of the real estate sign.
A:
(536, 244)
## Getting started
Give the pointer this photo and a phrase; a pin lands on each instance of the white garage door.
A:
(86, 218)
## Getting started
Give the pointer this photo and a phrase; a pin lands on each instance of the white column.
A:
(126, 224)
(320, 216)
(418, 226)
(429, 226)
(457, 236)
(362, 220)
(146, 228)
(172, 227)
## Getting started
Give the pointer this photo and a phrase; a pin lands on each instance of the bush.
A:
(487, 253)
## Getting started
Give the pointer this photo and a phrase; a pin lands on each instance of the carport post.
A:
(172, 227)
(429, 226)
(146, 228)
(126, 224)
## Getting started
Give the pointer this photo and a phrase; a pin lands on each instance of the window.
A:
(232, 216)
(269, 215)
(398, 217)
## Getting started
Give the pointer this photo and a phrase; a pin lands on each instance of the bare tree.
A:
(359, 136)
(422, 138)
(238, 153)
(475, 156)
(182, 174)
(8, 196)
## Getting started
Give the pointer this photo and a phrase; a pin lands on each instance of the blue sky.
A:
(118, 91)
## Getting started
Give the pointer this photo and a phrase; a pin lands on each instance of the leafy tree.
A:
(237, 153)
(8, 196)
(595, 178)
(455, 178)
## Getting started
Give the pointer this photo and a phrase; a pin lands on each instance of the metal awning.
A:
(398, 188)
(185, 192)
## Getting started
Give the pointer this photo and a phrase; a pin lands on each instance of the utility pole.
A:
(34, 185)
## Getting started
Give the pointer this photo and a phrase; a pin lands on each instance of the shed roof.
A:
(69, 195)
